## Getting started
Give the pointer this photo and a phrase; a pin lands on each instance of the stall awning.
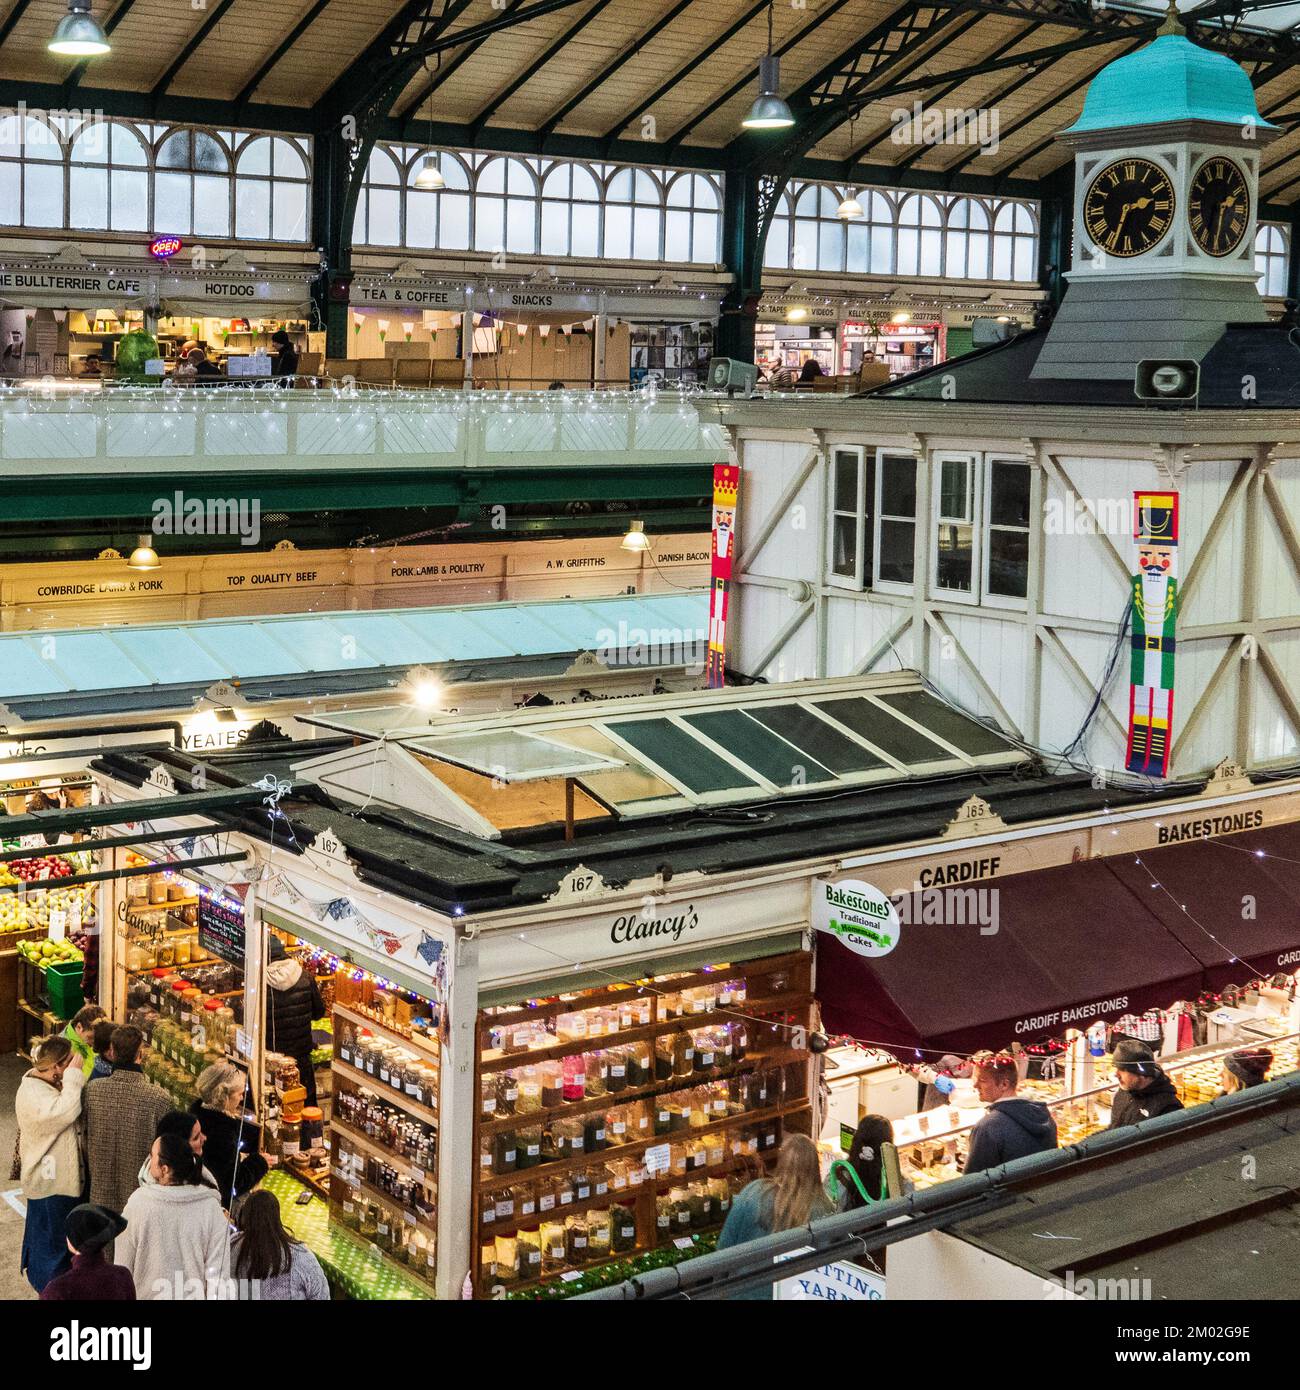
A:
(1031, 956)
(1233, 901)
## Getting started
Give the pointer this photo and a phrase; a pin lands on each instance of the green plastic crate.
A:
(63, 980)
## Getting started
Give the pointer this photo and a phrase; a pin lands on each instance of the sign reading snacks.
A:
(860, 916)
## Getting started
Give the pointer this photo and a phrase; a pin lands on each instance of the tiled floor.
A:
(12, 1284)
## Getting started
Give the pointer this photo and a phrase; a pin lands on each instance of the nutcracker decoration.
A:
(726, 490)
(1155, 613)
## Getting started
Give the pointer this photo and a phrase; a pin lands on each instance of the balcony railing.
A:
(49, 429)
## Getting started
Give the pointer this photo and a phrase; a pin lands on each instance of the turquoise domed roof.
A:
(1171, 79)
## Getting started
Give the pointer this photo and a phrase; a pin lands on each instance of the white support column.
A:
(457, 1106)
(600, 335)
(467, 344)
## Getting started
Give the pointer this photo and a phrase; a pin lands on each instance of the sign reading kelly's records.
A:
(858, 915)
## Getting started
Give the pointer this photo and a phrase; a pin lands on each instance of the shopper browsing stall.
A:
(232, 1140)
(123, 1112)
(90, 1230)
(1144, 1089)
(1012, 1128)
(1245, 1069)
(292, 1002)
(48, 1108)
(80, 1033)
(187, 1127)
(176, 1243)
(269, 1263)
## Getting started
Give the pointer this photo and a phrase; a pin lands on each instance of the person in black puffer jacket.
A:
(292, 1002)
(1144, 1089)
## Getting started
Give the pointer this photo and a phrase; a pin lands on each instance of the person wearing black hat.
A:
(1245, 1069)
(89, 1230)
(1144, 1089)
(285, 361)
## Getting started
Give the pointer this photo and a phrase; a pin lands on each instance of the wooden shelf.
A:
(616, 1151)
(504, 1061)
(396, 1098)
(751, 1061)
(367, 1145)
(624, 1197)
(418, 1048)
(377, 1194)
(600, 998)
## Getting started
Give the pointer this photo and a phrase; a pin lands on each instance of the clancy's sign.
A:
(638, 926)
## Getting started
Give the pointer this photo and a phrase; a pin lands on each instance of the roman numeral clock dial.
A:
(1129, 207)
(1218, 207)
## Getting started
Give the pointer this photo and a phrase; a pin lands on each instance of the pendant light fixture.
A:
(770, 110)
(79, 34)
(849, 209)
(636, 538)
(144, 556)
(429, 178)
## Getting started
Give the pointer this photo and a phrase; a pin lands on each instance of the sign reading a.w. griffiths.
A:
(860, 916)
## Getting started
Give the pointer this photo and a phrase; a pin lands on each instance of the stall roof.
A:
(1067, 946)
(1168, 1205)
(462, 872)
(51, 674)
(671, 753)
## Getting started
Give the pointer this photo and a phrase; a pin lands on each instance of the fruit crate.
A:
(63, 980)
(32, 984)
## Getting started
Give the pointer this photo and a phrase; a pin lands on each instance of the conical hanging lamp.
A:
(770, 110)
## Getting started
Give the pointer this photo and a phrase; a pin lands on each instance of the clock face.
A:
(1129, 207)
(1218, 206)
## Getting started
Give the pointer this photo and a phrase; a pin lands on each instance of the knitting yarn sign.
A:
(859, 915)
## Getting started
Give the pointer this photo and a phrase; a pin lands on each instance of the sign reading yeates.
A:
(860, 916)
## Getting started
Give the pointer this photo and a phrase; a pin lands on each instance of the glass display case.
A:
(620, 1120)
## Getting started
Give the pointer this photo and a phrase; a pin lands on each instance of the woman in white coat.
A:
(47, 1109)
(177, 1240)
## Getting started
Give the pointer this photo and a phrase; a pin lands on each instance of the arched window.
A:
(966, 242)
(776, 251)
(693, 223)
(920, 239)
(870, 238)
(378, 220)
(32, 172)
(271, 182)
(570, 211)
(1015, 242)
(505, 206)
(108, 184)
(1272, 258)
(192, 185)
(438, 219)
(634, 216)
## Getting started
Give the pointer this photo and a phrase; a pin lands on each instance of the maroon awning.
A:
(1234, 901)
(1072, 945)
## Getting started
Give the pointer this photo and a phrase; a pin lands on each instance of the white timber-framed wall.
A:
(1033, 664)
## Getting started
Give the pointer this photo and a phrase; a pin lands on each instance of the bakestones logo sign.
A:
(861, 917)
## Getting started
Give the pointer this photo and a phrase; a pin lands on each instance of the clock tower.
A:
(1166, 157)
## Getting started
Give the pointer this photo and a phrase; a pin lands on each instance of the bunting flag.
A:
(1155, 615)
(430, 948)
(187, 846)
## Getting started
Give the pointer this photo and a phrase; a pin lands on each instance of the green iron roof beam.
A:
(70, 819)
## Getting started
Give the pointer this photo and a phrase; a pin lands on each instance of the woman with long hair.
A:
(791, 1197)
(864, 1181)
(266, 1261)
(233, 1140)
(177, 1240)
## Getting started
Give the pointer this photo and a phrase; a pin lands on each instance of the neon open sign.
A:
(163, 248)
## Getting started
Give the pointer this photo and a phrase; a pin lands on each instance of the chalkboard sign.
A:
(221, 928)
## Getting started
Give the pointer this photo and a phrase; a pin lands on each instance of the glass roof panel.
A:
(666, 745)
(246, 650)
(759, 748)
(510, 756)
(880, 728)
(817, 738)
(170, 655)
(86, 655)
(630, 788)
(967, 734)
(27, 672)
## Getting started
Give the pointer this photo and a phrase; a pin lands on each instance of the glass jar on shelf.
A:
(616, 1075)
(528, 1245)
(663, 1058)
(552, 1081)
(597, 1065)
(640, 1065)
(529, 1094)
(683, 1055)
(575, 1239)
(554, 1247)
(598, 1234)
(622, 1228)
(529, 1146)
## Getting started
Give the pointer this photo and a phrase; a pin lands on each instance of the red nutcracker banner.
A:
(1155, 614)
(726, 491)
